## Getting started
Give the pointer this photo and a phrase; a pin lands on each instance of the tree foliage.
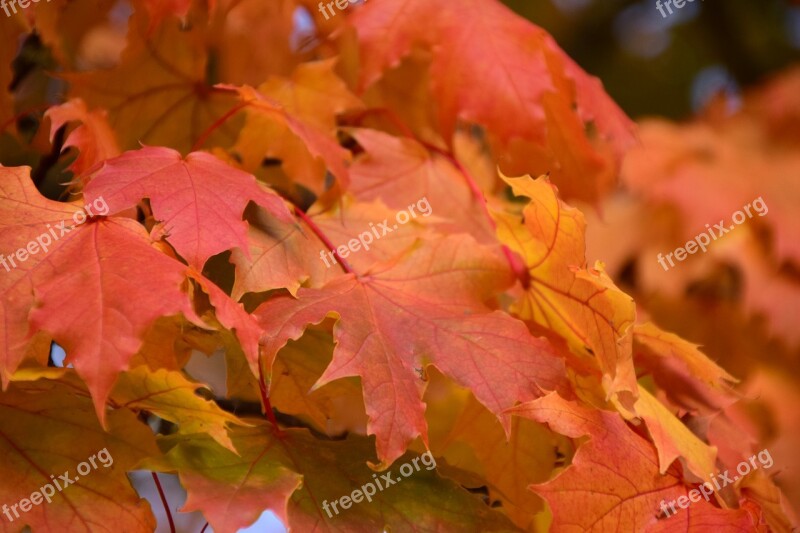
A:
(247, 164)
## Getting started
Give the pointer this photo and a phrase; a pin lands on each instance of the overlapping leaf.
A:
(295, 474)
(391, 165)
(232, 316)
(171, 396)
(280, 255)
(613, 482)
(305, 149)
(413, 334)
(335, 408)
(187, 198)
(287, 255)
(87, 291)
(687, 376)
(673, 439)
(477, 451)
(428, 309)
(24, 215)
(478, 40)
(581, 304)
(313, 93)
(98, 294)
(93, 138)
(48, 433)
(158, 94)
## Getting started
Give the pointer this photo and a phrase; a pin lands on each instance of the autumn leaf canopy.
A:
(276, 252)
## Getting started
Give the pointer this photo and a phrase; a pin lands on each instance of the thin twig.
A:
(324, 238)
(262, 385)
(164, 502)
(217, 123)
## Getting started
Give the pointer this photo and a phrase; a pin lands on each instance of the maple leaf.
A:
(444, 333)
(582, 305)
(304, 149)
(404, 90)
(233, 316)
(94, 138)
(686, 375)
(468, 437)
(614, 481)
(286, 256)
(294, 119)
(333, 409)
(166, 345)
(421, 311)
(232, 490)
(280, 255)
(100, 306)
(267, 31)
(183, 195)
(103, 500)
(489, 42)
(351, 219)
(24, 215)
(294, 475)
(158, 93)
(673, 439)
(313, 93)
(685, 372)
(82, 286)
(169, 395)
(593, 105)
(572, 162)
(391, 164)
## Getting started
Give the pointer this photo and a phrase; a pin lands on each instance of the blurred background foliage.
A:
(672, 66)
